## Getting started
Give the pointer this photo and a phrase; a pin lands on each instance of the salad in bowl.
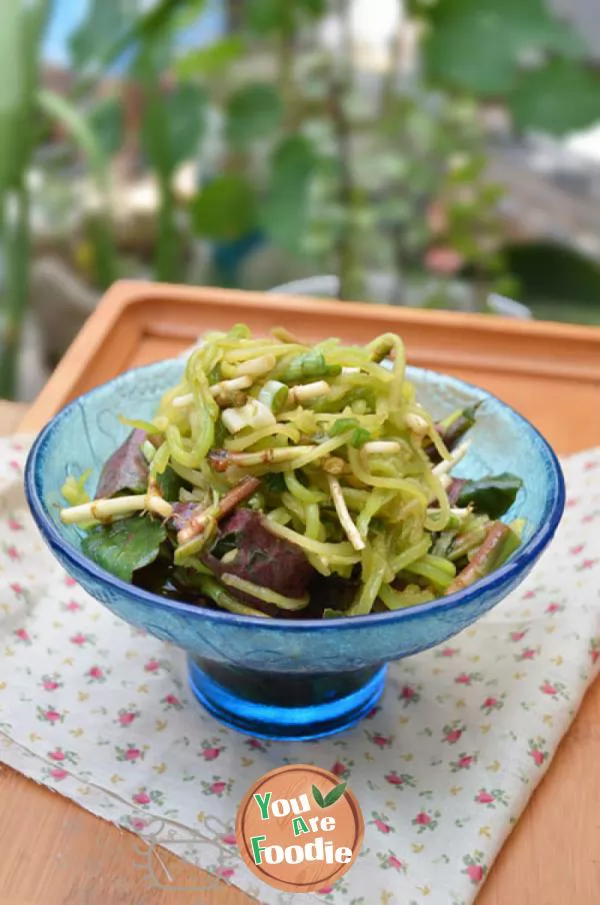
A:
(294, 516)
(278, 479)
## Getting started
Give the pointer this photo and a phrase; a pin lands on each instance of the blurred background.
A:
(441, 154)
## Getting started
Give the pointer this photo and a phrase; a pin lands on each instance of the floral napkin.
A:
(442, 768)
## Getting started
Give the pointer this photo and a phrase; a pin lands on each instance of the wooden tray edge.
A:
(128, 294)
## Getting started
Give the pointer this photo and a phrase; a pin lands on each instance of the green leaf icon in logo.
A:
(335, 793)
(318, 797)
(332, 796)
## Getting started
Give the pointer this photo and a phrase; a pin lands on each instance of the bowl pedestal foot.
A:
(285, 706)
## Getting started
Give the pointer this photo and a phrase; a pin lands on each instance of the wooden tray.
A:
(550, 372)
(524, 362)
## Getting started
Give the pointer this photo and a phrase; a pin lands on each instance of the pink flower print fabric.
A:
(102, 713)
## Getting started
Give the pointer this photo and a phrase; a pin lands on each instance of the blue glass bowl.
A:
(280, 678)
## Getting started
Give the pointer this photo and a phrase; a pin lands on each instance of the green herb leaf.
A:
(492, 495)
(274, 482)
(342, 425)
(169, 484)
(225, 544)
(125, 546)
(360, 436)
(318, 797)
(335, 794)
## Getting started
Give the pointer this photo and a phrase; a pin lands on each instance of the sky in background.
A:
(67, 15)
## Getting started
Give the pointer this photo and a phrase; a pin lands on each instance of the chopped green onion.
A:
(254, 414)
(274, 395)
(309, 366)
(342, 425)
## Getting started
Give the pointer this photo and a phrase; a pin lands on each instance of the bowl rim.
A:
(525, 556)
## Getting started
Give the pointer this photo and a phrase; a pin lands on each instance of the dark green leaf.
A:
(478, 45)
(225, 209)
(253, 112)
(284, 212)
(562, 96)
(125, 546)
(186, 109)
(225, 544)
(274, 482)
(318, 797)
(107, 123)
(335, 794)
(169, 484)
(211, 59)
(492, 495)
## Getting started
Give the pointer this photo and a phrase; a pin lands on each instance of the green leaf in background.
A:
(79, 128)
(318, 797)
(478, 45)
(210, 59)
(266, 16)
(492, 495)
(106, 22)
(12, 95)
(186, 122)
(560, 97)
(334, 795)
(285, 209)
(124, 546)
(106, 121)
(253, 112)
(113, 27)
(225, 209)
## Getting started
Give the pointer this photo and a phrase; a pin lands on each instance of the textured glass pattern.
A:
(86, 432)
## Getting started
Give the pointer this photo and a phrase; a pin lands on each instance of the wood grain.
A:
(54, 853)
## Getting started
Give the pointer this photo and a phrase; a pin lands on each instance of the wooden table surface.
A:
(54, 853)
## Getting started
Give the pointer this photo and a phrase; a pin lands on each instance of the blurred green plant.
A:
(516, 51)
(392, 179)
(21, 102)
(174, 115)
(345, 184)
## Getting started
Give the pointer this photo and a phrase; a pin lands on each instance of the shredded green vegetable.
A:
(345, 467)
